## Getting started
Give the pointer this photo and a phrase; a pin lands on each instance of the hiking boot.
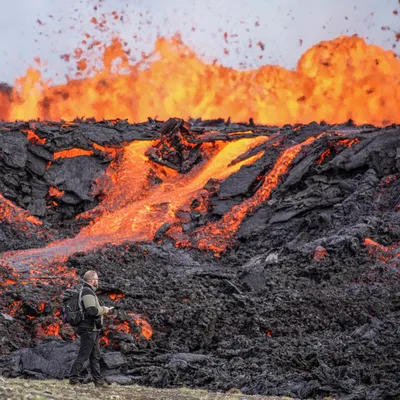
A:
(102, 384)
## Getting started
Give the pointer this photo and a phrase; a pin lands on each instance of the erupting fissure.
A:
(336, 80)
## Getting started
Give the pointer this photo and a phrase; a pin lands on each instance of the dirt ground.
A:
(22, 389)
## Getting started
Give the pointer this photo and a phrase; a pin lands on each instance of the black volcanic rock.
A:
(177, 148)
(240, 182)
(41, 152)
(36, 165)
(13, 149)
(299, 304)
(75, 175)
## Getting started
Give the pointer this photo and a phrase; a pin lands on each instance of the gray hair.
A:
(89, 275)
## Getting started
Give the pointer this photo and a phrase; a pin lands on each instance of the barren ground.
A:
(22, 389)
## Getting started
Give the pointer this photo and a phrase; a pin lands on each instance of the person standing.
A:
(89, 331)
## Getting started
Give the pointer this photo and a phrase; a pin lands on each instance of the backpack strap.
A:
(80, 303)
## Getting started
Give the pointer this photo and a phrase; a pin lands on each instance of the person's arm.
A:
(91, 310)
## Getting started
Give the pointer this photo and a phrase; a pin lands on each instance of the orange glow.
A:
(131, 210)
(72, 153)
(104, 340)
(389, 179)
(52, 329)
(145, 327)
(218, 235)
(347, 142)
(32, 137)
(54, 192)
(323, 156)
(123, 327)
(14, 307)
(11, 213)
(147, 332)
(109, 150)
(343, 142)
(116, 296)
(334, 81)
(370, 242)
(383, 253)
(320, 253)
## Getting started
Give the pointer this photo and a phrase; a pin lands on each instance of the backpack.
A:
(72, 310)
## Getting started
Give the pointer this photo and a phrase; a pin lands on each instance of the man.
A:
(89, 330)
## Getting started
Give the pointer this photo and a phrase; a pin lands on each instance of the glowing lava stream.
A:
(12, 214)
(386, 254)
(134, 211)
(218, 235)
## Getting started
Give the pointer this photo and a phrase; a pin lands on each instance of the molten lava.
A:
(116, 296)
(54, 192)
(145, 327)
(334, 81)
(383, 253)
(10, 213)
(132, 211)
(72, 153)
(217, 236)
(32, 137)
(51, 329)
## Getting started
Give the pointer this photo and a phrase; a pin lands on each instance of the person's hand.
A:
(107, 309)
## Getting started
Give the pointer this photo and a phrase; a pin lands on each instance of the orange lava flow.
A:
(343, 142)
(334, 81)
(133, 210)
(11, 213)
(146, 330)
(383, 253)
(123, 327)
(347, 142)
(217, 236)
(32, 137)
(72, 153)
(109, 150)
(371, 243)
(320, 253)
(323, 156)
(52, 329)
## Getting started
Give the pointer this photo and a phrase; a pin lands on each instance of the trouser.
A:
(89, 350)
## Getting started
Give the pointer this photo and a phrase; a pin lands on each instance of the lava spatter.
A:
(334, 81)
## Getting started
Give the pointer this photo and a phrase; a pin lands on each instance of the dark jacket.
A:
(93, 311)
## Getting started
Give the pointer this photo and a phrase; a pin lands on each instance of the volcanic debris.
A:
(303, 300)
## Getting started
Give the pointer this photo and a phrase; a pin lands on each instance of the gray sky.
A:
(286, 28)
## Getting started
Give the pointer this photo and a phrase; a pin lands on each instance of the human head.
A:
(91, 278)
